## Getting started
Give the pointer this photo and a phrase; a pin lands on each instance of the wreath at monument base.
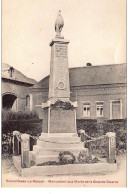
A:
(83, 158)
(66, 157)
(63, 105)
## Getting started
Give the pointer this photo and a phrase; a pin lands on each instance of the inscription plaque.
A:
(62, 121)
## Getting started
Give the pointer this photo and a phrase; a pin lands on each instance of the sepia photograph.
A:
(64, 93)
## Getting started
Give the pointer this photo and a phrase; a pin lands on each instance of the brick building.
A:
(99, 90)
(15, 89)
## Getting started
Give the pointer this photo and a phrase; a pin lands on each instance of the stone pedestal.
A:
(50, 145)
(59, 120)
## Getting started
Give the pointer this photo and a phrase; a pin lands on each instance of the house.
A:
(15, 89)
(100, 92)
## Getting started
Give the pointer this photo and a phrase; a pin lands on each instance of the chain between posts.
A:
(95, 139)
(86, 141)
(91, 138)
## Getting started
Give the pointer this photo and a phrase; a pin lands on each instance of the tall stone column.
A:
(59, 72)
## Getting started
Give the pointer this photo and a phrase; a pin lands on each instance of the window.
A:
(99, 109)
(86, 109)
(115, 109)
(27, 101)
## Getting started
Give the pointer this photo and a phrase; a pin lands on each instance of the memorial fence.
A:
(21, 145)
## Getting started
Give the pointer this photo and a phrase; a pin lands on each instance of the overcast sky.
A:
(96, 30)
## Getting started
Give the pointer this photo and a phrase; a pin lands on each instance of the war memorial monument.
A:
(59, 133)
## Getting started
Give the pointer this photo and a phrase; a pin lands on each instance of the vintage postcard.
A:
(64, 121)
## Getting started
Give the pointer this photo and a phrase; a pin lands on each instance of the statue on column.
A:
(59, 25)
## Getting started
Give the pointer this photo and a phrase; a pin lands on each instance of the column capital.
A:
(111, 134)
(16, 133)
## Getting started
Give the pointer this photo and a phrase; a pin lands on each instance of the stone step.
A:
(55, 151)
(60, 144)
(45, 158)
(59, 138)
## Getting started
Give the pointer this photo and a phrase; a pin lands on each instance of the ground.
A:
(114, 179)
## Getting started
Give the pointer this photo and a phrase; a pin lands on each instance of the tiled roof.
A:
(93, 75)
(17, 75)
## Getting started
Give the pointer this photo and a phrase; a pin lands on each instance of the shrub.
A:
(32, 127)
(22, 121)
(8, 115)
(93, 129)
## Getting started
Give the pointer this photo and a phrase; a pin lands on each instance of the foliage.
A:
(63, 105)
(94, 129)
(8, 115)
(7, 143)
(32, 127)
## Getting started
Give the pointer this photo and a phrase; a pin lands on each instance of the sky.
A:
(96, 30)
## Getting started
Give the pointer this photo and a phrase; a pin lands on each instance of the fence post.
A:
(15, 143)
(25, 148)
(111, 147)
(82, 134)
(90, 150)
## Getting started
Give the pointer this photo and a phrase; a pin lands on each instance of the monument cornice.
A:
(59, 41)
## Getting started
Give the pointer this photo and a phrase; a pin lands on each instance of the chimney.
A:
(88, 64)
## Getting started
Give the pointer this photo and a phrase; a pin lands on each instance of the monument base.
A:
(50, 145)
(69, 169)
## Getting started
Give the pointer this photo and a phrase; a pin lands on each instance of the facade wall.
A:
(38, 96)
(19, 90)
(104, 94)
(91, 94)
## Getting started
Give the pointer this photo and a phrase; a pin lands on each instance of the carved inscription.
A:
(61, 51)
(61, 64)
